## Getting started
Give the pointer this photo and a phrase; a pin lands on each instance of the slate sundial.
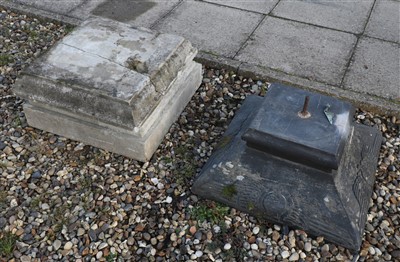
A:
(305, 165)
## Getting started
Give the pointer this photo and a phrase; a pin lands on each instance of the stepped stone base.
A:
(111, 86)
(281, 168)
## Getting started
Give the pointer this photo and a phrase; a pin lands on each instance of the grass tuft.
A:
(210, 211)
(7, 244)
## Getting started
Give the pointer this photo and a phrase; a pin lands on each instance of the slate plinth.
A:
(112, 86)
(283, 170)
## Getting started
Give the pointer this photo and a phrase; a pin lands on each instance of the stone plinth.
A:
(111, 86)
(313, 173)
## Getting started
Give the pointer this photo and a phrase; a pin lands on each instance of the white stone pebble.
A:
(68, 245)
(371, 250)
(294, 257)
(14, 203)
(199, 253)
(227, 246)
(254, 246)
(56, 244)
(168, 200)
(307, 246)
(256, 230)
(285, 254)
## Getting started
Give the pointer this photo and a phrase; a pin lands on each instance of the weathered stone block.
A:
(260, 179)
(125, 85)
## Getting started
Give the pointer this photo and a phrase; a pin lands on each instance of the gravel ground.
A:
(61, 200)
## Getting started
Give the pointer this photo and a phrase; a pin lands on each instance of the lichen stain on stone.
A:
(96, 38)
(229, 165)
(239, 178)
(102, 71)
(224, 142)
(132, 45)
(137, 64)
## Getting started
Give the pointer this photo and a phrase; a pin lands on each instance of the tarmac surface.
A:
(348, 49)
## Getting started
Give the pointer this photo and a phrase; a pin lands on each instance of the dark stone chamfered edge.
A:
(333, 205)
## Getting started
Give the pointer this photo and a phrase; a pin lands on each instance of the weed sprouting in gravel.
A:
(5, 59)
(186, 168)
(59, 218)
(3, 198)
(214, 245)
(7, 244)
(35, 202)
(209, 211)
(111, 257)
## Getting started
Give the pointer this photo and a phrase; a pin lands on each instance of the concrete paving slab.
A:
(260, 6)
(57, 6)
(385, 21)
(295, 48)
(142, 13)
(375, 69)
(84, 11)
(350, 16)
(215, 29)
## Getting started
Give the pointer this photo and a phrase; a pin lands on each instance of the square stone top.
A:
(316, 141)
(107, 70)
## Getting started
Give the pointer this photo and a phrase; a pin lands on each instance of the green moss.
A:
(250, 206)
(224, 142)
(69, 28)
(229, 191)
(210, 53)
(5, 59)
(35, 202)
(33, 34)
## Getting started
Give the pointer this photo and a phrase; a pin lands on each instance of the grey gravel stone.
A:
(2, 145)
(285, 254)
(307, 246)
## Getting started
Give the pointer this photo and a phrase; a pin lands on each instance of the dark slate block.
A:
(314, 141)
(332, 203)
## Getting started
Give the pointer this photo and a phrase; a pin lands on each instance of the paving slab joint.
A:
(353, 51)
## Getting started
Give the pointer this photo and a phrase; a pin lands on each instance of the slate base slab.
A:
(333, 204)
